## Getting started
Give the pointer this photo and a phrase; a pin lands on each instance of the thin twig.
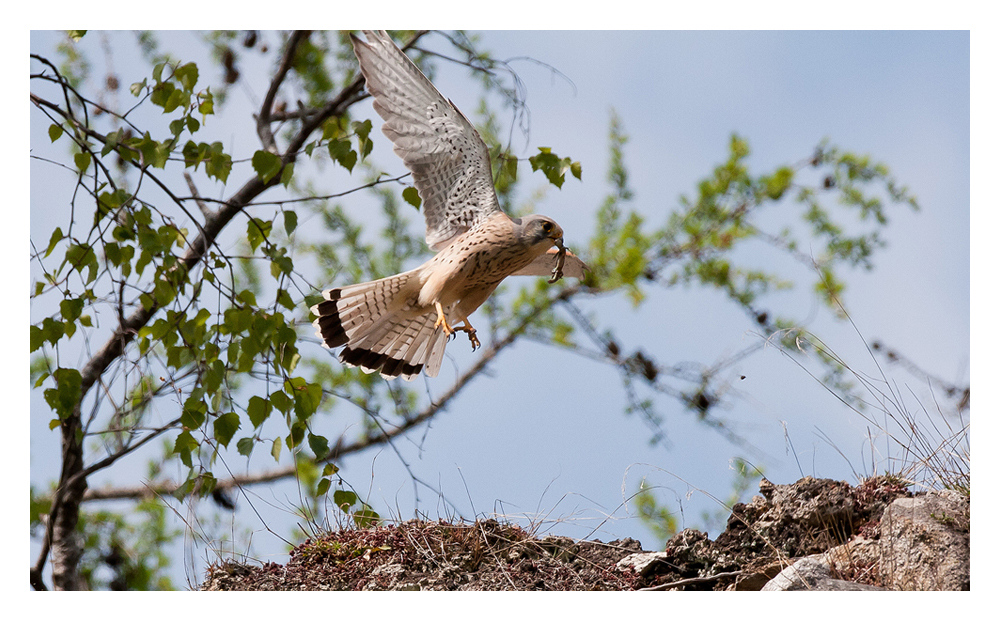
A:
(205, 211)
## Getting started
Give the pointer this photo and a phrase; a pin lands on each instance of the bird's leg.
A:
(450, 331)
(557, 271)
(442, 322)
(467, 328)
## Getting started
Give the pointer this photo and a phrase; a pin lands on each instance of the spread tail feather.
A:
(381, 327)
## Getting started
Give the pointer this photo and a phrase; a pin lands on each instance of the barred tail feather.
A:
(381, 328)
(435, 353)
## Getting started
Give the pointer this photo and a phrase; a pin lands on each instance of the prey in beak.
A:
(557, 271)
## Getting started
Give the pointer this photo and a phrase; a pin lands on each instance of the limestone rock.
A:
(924, 542)
(642, 563)
(813, 573)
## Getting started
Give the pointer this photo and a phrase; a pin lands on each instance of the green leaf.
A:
(298, 433)
(365, 517)
(342, 153)
(36, 337)
(108, 202)
(291, 221)
(510, 167)
(286, 174)
(177, 126)
(344, 499)
(319, 445)
(161, 93)
(285, 300)
(257, 231)
(158, 71)
(266, 164)
(280, 401)
(247, 296)
(76, 35)
(245, 446)
(52, 330)
(307, 396)
(206, 105)
(55, 131)
(225, 427)
(153, 152)
(218, 163)
(184, 445)
(276, 448)
(185, 488)
(323, 487)
(280, 262)
(57, 236)
(362, 129)
(82, 160)
(71, 308)
(66, 395)
(411, 196)
(137, 87)
(258, 410)
(79, 256)
(553, 166)
(178, 99)
(194, 413)
(776, 184)
(236, 320)
(207, 484)
(187, 75)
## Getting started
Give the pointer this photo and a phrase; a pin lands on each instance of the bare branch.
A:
(264, 116)
(205, 211)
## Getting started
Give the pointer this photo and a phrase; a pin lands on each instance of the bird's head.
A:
(539, 230)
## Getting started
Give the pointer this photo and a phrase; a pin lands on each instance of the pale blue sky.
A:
(544, 431)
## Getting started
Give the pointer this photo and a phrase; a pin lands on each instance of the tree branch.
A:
(264, 116)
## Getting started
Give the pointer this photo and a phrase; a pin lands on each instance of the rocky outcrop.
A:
(922, 544)
(815, 534)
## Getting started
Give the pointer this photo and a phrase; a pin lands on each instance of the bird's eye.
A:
(547, 227)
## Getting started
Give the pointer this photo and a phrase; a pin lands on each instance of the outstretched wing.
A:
(449, 161)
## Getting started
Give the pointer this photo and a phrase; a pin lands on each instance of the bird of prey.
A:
(399, 325)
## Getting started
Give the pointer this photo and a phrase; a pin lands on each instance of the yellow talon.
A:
(450, 332)
(441, 321)
(467, 328)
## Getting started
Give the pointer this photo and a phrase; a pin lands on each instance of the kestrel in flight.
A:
(399, 325)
